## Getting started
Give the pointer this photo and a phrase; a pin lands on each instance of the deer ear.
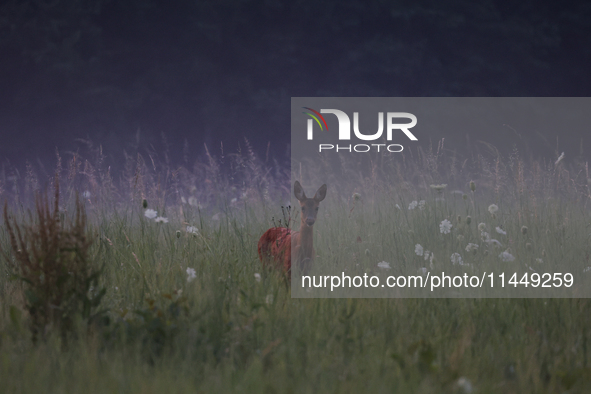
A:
(321, 193)
(298, 191)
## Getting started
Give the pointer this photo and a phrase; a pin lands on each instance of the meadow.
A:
(155, 285)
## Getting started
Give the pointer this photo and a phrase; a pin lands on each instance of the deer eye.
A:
(303, 209)
(316, 209)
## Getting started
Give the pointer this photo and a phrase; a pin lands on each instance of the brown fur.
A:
(275, 248)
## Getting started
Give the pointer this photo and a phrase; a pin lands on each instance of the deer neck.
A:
(306, 240)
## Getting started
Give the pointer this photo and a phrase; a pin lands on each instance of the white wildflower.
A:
(397, 206)
(413, 205)
(193, 201)
(183, 200)
(457, 259)
(506, 256)
(384, 265)
(160, 219)
(482, 226)
(233, 201)
(471, 247)
(86, 194)
(192, 230)
(426, 254)
(501, 231)
(216, 216)
(191, 275)
(422, 270)
(269, 299)
(419, 250)
(493, 208)
(588, 269)
(150, 213)
(492, 241)
(445, 227)
(539, 260)
(257, 277)
(485, 236)
(464, 385)
(422, 204)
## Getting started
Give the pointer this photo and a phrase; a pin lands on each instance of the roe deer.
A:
(275, 244)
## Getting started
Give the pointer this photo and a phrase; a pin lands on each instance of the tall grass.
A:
(224, 330)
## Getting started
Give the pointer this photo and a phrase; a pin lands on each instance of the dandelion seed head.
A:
(493, 208)
(471, 247)
(481, 227)
(412, 205)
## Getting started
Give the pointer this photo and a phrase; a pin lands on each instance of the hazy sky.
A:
(143, 74)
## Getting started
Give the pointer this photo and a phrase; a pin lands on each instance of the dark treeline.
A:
(214, 71)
